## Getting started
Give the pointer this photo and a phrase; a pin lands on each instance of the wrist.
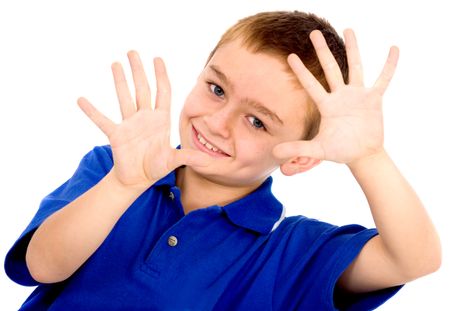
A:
(125, 189)
(368, 161)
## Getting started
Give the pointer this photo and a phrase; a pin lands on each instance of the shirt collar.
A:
(168, 180)
(259, 211)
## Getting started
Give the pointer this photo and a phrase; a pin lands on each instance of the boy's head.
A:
(282, 33)
(247, 99)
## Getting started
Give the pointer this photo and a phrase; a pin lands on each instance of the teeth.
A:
(201, 139)
(206, 144)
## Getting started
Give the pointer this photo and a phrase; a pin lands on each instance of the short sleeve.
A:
(314, 259)
(92, 168)
(348, 244)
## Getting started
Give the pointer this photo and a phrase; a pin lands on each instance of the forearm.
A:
(405, 229)
(66, 239)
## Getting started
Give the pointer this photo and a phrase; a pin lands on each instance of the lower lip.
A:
(203, 148)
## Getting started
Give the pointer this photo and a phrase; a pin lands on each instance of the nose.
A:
(219, 122)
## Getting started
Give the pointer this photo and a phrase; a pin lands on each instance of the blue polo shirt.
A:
(242, 256)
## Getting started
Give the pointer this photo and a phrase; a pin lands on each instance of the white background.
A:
(52, 52)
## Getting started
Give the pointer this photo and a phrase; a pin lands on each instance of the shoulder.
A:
(313, 227)
(99, 154)
(302, 235)
(319, 245)
(95, 163)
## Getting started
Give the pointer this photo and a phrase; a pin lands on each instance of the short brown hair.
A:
(281, 33)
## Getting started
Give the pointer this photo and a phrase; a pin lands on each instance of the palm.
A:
(140, 146)
(351, 127)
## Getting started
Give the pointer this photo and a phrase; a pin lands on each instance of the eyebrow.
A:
(222, 77)
(262, 109)
(254, 103)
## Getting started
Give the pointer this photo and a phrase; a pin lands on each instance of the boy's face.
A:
(241, 107)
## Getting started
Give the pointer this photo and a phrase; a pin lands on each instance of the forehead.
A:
(259, 76)
(237, 59)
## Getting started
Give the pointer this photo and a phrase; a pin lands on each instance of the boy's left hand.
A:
(351, 114)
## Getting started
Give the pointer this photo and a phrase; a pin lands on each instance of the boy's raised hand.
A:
(351, 114)
(141, 142)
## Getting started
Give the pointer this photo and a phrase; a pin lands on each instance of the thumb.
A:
(301, 148)
(191, 158)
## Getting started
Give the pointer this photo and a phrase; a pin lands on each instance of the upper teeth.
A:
(206, 144)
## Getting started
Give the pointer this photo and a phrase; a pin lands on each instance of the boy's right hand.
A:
(141, 142)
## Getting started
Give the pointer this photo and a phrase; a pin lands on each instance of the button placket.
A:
(161, 255)
(174, 196)
(163, 260)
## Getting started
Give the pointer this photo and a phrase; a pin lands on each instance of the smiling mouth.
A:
(206, 146)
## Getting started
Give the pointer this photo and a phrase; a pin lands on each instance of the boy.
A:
(141, 225)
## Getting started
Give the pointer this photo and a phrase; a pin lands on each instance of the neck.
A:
(199, 192)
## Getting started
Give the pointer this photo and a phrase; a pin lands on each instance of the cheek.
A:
(256, 150)
(189, 106)
(195, 104)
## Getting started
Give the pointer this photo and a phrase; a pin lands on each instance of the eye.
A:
(256, 123)
(217, 90)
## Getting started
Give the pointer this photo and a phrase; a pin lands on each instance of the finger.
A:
(102, 122)
(353, 58)
(190, 158)
(327, 61)
(301, 148)
(163, 93)
(307, 79)
(127, 107)
(143, 99)
(388, 71)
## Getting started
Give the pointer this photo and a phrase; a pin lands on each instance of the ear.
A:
(298, 165)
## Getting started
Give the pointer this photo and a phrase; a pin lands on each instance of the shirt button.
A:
(172, 240)
(171, 195)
